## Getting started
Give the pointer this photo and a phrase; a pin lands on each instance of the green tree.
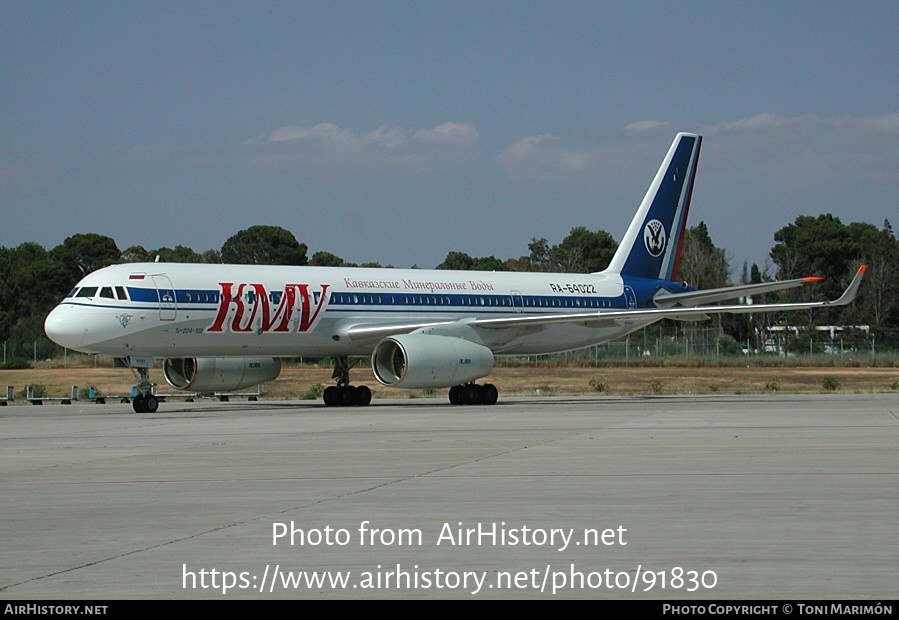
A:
(84, 253)
(702, 264)
(264, 245)
(814, 246)
(464, 262)
(178, 254)
(583, 251)
(879, 295)
(136, 254)
(825, 246)
(212, 257)
(489, 263)
(30, 285)
(457, 261)
(326, 259)
(540, 258)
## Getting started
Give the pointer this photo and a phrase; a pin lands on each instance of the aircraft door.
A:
(517, 302)
(630, 297)
(168, 307)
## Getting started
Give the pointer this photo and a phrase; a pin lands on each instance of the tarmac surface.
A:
(774, 497)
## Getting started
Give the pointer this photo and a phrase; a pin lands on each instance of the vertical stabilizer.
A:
(652, 245)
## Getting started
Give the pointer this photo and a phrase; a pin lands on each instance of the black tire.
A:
(346, 395)
(489, 394)
(363, 396)
(474, 394)
(138, 404)
(151, 404)
(455, 395)
(330, 395)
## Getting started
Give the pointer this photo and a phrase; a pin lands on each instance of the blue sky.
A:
(397, 132)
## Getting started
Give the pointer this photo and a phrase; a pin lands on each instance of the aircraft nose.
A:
(65, 326)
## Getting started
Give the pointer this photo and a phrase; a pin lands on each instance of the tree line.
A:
(33, 279)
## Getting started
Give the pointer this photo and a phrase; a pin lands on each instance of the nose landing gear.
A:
(145, 401)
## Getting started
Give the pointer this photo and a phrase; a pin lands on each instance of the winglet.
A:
(851, 290)
(812, 279)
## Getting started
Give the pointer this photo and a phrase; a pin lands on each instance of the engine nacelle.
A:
(428, 361)
(219, 374)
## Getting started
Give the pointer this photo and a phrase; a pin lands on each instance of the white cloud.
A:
(888, 123)
(542, 157)
(325, 135)
(753, 122)
(461, 134)
(328, 144)
(781, 146)
(646, 125)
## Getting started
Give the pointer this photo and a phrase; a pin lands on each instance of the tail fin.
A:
(651, 247)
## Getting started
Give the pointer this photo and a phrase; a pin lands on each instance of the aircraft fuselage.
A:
(169, 310)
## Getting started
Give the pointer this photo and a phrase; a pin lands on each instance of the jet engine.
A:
(219, 374)
(429, 361)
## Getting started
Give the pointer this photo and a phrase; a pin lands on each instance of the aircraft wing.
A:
(665, 300)
(376, 331)
(671, 313)
(616, 317)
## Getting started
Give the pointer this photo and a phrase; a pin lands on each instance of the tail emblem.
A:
(654, 237)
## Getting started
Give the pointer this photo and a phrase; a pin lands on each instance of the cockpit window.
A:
(106, 291)
(120, 293)
(87, 291)
(73, 292)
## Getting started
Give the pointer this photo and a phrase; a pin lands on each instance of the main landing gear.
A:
(145, 401)
(343, 394)
(473, 394)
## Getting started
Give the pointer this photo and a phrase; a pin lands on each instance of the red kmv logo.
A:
(249, 308)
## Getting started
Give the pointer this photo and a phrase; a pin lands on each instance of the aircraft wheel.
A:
(474, 394)
(138, 404)
(330, 395)
(489, 394)
(346, 395)
(455, 395)
(363, 395)
(151, 404)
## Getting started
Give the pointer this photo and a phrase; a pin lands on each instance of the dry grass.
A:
(306, 382)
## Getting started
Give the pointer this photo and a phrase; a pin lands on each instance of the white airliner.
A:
(225, 327)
